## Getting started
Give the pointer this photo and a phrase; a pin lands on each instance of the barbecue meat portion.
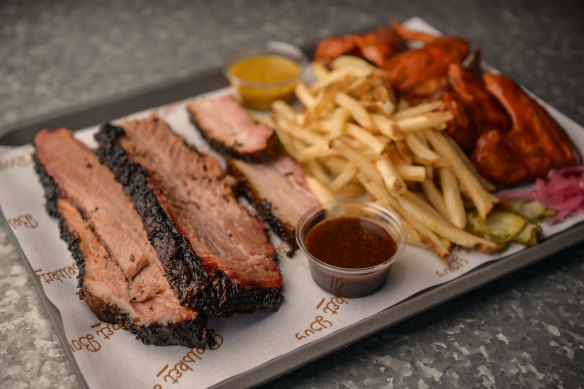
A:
(278, 191)
(120, 276)
(227, 127)
(216, 254)
(533, 146)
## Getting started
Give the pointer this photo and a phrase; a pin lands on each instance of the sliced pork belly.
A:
(120, 278)
(216, 254)
(278, 191)
(227, 127)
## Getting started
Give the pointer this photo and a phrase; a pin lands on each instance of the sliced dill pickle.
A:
(531, 209)
(502, 227)
(474, 224)
(529, 235)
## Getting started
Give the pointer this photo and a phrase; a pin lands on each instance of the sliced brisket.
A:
(120, 278)
(278, 191)
(216, 254)
(227, 127)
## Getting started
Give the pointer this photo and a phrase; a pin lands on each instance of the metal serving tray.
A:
(85, 115)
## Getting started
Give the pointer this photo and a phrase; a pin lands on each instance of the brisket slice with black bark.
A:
(278, 191)
(120, 277)
(216, 254)
(227, 127)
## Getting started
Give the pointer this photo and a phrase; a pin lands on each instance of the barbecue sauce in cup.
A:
(363, 244)
(350, 245)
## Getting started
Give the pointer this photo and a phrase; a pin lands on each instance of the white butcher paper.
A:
(113, 358)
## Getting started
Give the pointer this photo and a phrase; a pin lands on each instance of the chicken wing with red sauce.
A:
(534, 145)
(483, 112)
(376, 46)
(333, 47)
(423, 72)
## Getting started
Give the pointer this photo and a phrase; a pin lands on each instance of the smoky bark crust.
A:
(211, 292)
(189, 333)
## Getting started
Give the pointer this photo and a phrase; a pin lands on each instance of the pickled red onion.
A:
(561, 190)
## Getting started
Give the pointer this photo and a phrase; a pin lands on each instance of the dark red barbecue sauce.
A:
(350, 242)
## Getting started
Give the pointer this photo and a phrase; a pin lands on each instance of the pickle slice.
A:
(512, 220)
(531, 209)
(502, 227)
(529, 235)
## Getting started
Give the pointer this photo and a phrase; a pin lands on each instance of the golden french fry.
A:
(365, 137)
(298, 132)
(323, 126)
(304, 95)
(417, 110)
(434, 196)
(388, 127)
(425, 121)
(391, 178)
(297, 145)
(375, 189)
(357, 158)
(336, 164)
(319, 70)
(396, 157)
(479, 196)
(357, 111)
(421, 138)
(349, 191)
(484, 182)
(411, 172)
(428, 216)
(346, 175)
(283, 109)
(316, 170)
(370, 154)
(427, 237)
(452, 199)
(325, 98)
(320, 191)
(382, 93)
(344, 73)
(440, 127)
(418, 148)
(430, 172)
(340, 117)
(413, 237)
(374, 107)
(404, 152)
(362, 86)
(354, 143)
(317, 150)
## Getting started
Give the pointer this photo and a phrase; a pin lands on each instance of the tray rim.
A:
(168, 91)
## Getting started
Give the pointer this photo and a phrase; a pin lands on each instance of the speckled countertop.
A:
(525, 330)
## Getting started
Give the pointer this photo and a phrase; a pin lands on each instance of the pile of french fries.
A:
(353, 139)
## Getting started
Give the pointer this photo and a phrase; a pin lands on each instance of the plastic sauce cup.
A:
(257, 87)
(344, 281)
